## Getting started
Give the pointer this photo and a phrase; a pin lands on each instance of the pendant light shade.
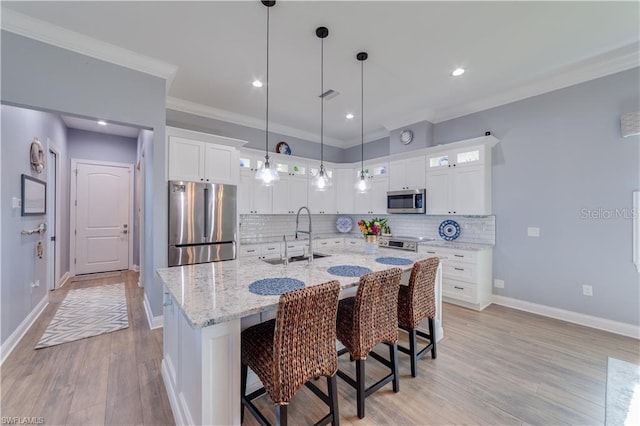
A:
(362, 184)
(321, 181)
(266, 174)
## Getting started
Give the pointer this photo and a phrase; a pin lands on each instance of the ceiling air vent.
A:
(329, 94)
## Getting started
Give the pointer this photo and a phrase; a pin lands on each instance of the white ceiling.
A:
(511, 50)
(93, 126)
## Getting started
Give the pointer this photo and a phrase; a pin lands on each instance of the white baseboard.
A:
(64, 279)
(135, 268)
(616, 327)
(9, 345)
(154, 322)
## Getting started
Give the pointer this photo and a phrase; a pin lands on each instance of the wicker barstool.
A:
(364, 321)
(416, 302)
(300, 344)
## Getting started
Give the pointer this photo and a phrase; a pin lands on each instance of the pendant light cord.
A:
(361, 118)
(321, 102)
(266, 137)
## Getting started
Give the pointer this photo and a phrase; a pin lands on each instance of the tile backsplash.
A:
(473, 229)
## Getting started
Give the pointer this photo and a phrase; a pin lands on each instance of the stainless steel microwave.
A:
(406, 201)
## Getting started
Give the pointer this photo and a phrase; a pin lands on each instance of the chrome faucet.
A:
(305, 232)
(285, 261)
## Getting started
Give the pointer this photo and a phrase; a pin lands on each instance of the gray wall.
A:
(374, 149)
(255, 137)
(560, 153)
(37, 75)
(422, 138)
(85, 145)
(20, 266)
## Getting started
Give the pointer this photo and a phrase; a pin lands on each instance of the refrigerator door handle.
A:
(206, 213)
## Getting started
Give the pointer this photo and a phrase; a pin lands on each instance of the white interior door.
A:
(52, 214)
(102, 217)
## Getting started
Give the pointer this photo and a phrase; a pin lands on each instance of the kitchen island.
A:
(207, 305)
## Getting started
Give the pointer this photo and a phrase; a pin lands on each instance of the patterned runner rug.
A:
(623, 393)
(87, 312)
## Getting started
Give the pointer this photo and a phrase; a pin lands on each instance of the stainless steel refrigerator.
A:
(202, 222)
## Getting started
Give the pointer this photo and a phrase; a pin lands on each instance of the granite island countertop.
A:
(213, 293)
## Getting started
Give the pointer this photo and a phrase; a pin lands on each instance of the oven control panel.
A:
(398, 244)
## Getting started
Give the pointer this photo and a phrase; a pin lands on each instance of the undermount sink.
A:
(280, 261)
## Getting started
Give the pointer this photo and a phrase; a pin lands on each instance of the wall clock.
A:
(406, 136)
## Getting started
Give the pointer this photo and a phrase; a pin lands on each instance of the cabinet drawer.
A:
(322, 244)
(249, 251)
(350, 242)
(430, 251)
(459, 290)
(271, 250)
(459, 271)
(463, 256)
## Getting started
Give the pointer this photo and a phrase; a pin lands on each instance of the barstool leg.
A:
(332, 388)
(243, 388)
(432, 337)
(281, 415)
(360, 378)
(413, 353)
(393, 355)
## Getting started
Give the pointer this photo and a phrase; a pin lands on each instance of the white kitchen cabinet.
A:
(373, 201)
(290, 193)
(322, 202)
(198, 161)
(327, 243)
(459, 181)
(466, 276)
(353, 242)
(253, 198)
(345, 190)
(260, 251)
(407, 173)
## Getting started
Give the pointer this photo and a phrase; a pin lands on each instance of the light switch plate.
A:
(533, 231)
(16, 203)
(498, 283)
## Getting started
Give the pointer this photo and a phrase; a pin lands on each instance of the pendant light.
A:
(362, 185)
(321, 182)
(266, 174)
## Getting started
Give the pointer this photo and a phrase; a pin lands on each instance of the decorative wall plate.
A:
(449, 230)
(283, 148)
(344, 224)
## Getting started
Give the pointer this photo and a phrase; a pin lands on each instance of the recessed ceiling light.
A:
(102, 123)
(349, 116)
(257, 83)
(457, 72)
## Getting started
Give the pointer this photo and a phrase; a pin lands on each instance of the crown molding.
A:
(195, 108)
(54, 35)
(618, 60)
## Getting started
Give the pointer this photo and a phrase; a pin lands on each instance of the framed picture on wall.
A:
(34, 196)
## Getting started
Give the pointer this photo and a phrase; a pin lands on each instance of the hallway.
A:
(111, 379)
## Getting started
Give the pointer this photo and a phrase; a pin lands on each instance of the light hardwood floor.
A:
(111, 379)
(499, 366)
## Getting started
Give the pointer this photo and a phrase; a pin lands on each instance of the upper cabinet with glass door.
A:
(290, 193)
(460, 157)
(322, 202)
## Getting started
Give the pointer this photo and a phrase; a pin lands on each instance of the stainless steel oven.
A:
(406, 201)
